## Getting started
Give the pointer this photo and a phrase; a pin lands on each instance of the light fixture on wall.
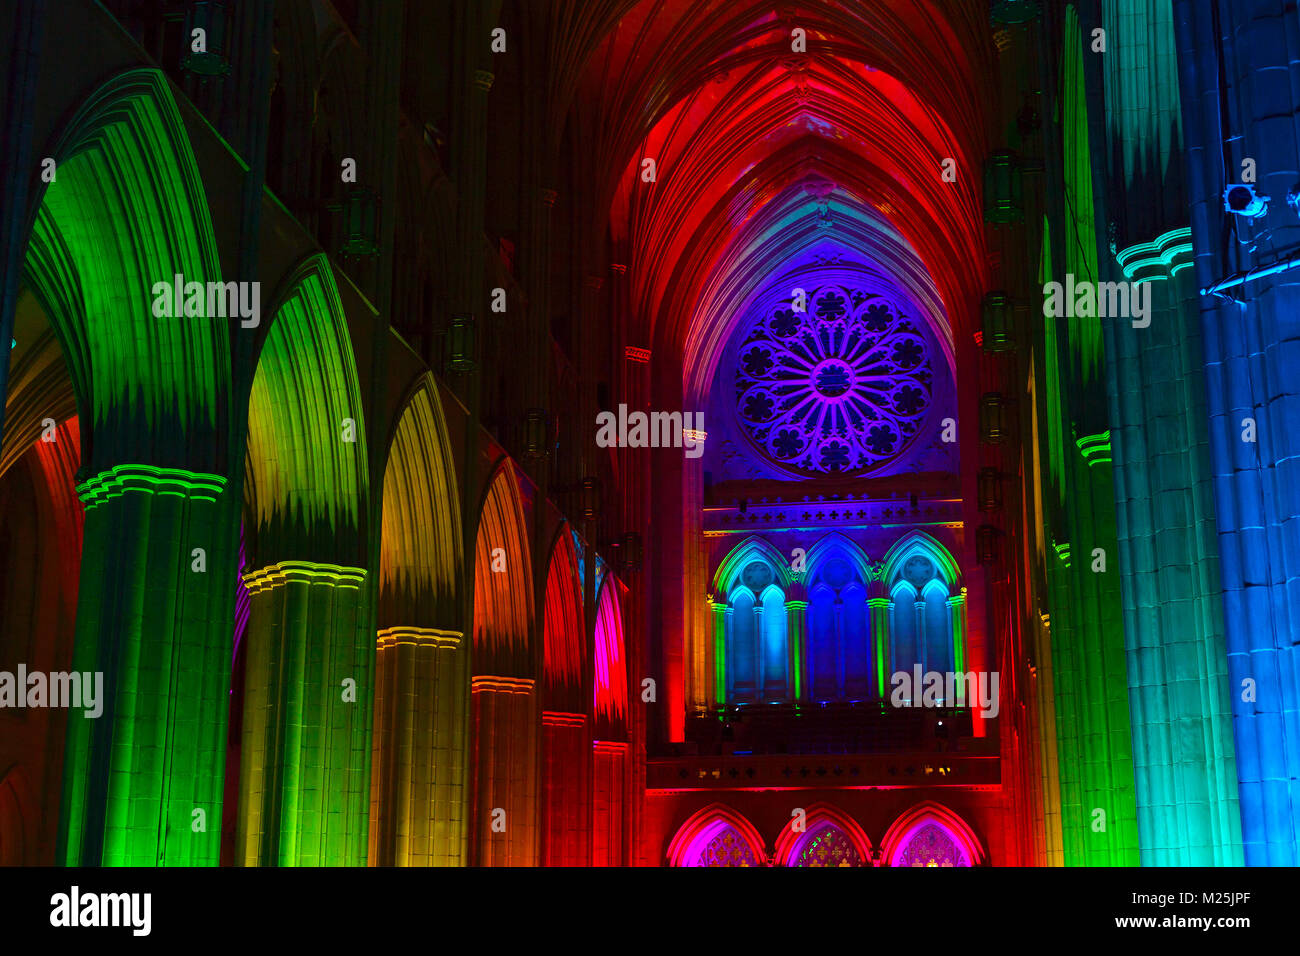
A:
(996, 316)
(989, 495)
(212, 18)
(461, 343)
(993, 426)
(1244, 200)
(536, 429)
(1012, 12)
(632, 550)
(591, 498)
(987, 545)
(360, 222)
(1004, 200)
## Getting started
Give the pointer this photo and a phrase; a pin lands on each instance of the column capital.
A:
(1161, 258)
(120, 479)
(419, 636)
(302, 572)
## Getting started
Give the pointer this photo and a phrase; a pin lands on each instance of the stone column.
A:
(881, 610)
(417, 792)
(504, 741)
(303, 789)
(143, 779)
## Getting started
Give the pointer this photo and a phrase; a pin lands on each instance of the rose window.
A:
(840, 388)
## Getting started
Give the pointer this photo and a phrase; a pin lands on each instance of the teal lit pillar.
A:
(1184, 756)
(304, 788)
(143, 780)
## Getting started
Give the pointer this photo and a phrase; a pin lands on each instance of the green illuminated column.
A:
(879, 610)
(796, 637)
(720, 614)
(303, 789)
(957, 618)
(1179, 692)
(143, 780)
(1088, 667)
(417, 793)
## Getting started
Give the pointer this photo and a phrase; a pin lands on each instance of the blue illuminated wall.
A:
(1237, 73)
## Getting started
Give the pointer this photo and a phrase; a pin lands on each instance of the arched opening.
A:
(148, 357)
(823, 835)
(504, 725)
(417, 789)
(931, 835)
(927, 621)
(566, 833)
(609, 792)
(716, 836)
(838, 636)
(752, 646)
(309, 662)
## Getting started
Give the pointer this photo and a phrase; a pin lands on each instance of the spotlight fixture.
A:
(1242, 199)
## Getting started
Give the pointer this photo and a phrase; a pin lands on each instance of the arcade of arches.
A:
(362, 584)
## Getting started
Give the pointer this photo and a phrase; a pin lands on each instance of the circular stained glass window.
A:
(840, 388)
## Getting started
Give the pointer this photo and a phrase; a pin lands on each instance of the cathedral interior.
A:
(650, 433)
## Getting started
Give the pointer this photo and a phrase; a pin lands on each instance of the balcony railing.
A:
(864, 727)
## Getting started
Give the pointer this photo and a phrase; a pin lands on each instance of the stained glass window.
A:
(842, 387)
(828, 846)
(727, 848)
(932, 845)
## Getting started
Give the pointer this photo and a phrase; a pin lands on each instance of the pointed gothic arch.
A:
(418, 767)
(791, 846)
(562, 626)
(926, 606)
(716, 835)
(947, 838)
(125, 211)
(306, 484)
(503, 602)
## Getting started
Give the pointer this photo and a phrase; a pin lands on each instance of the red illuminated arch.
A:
(694, 835)
(905, 827)
(790, 843)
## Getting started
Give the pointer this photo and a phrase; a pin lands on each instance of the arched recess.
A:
(717, 836)
(503, 734)
(753, 656)
(417, 788)
(929, 834)
(41, 526)
(566, 817)
(840, 635)
(829, 837)
(563, 628)
(306, 482)
(125, 215)
(311, 619)
(926, 607)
